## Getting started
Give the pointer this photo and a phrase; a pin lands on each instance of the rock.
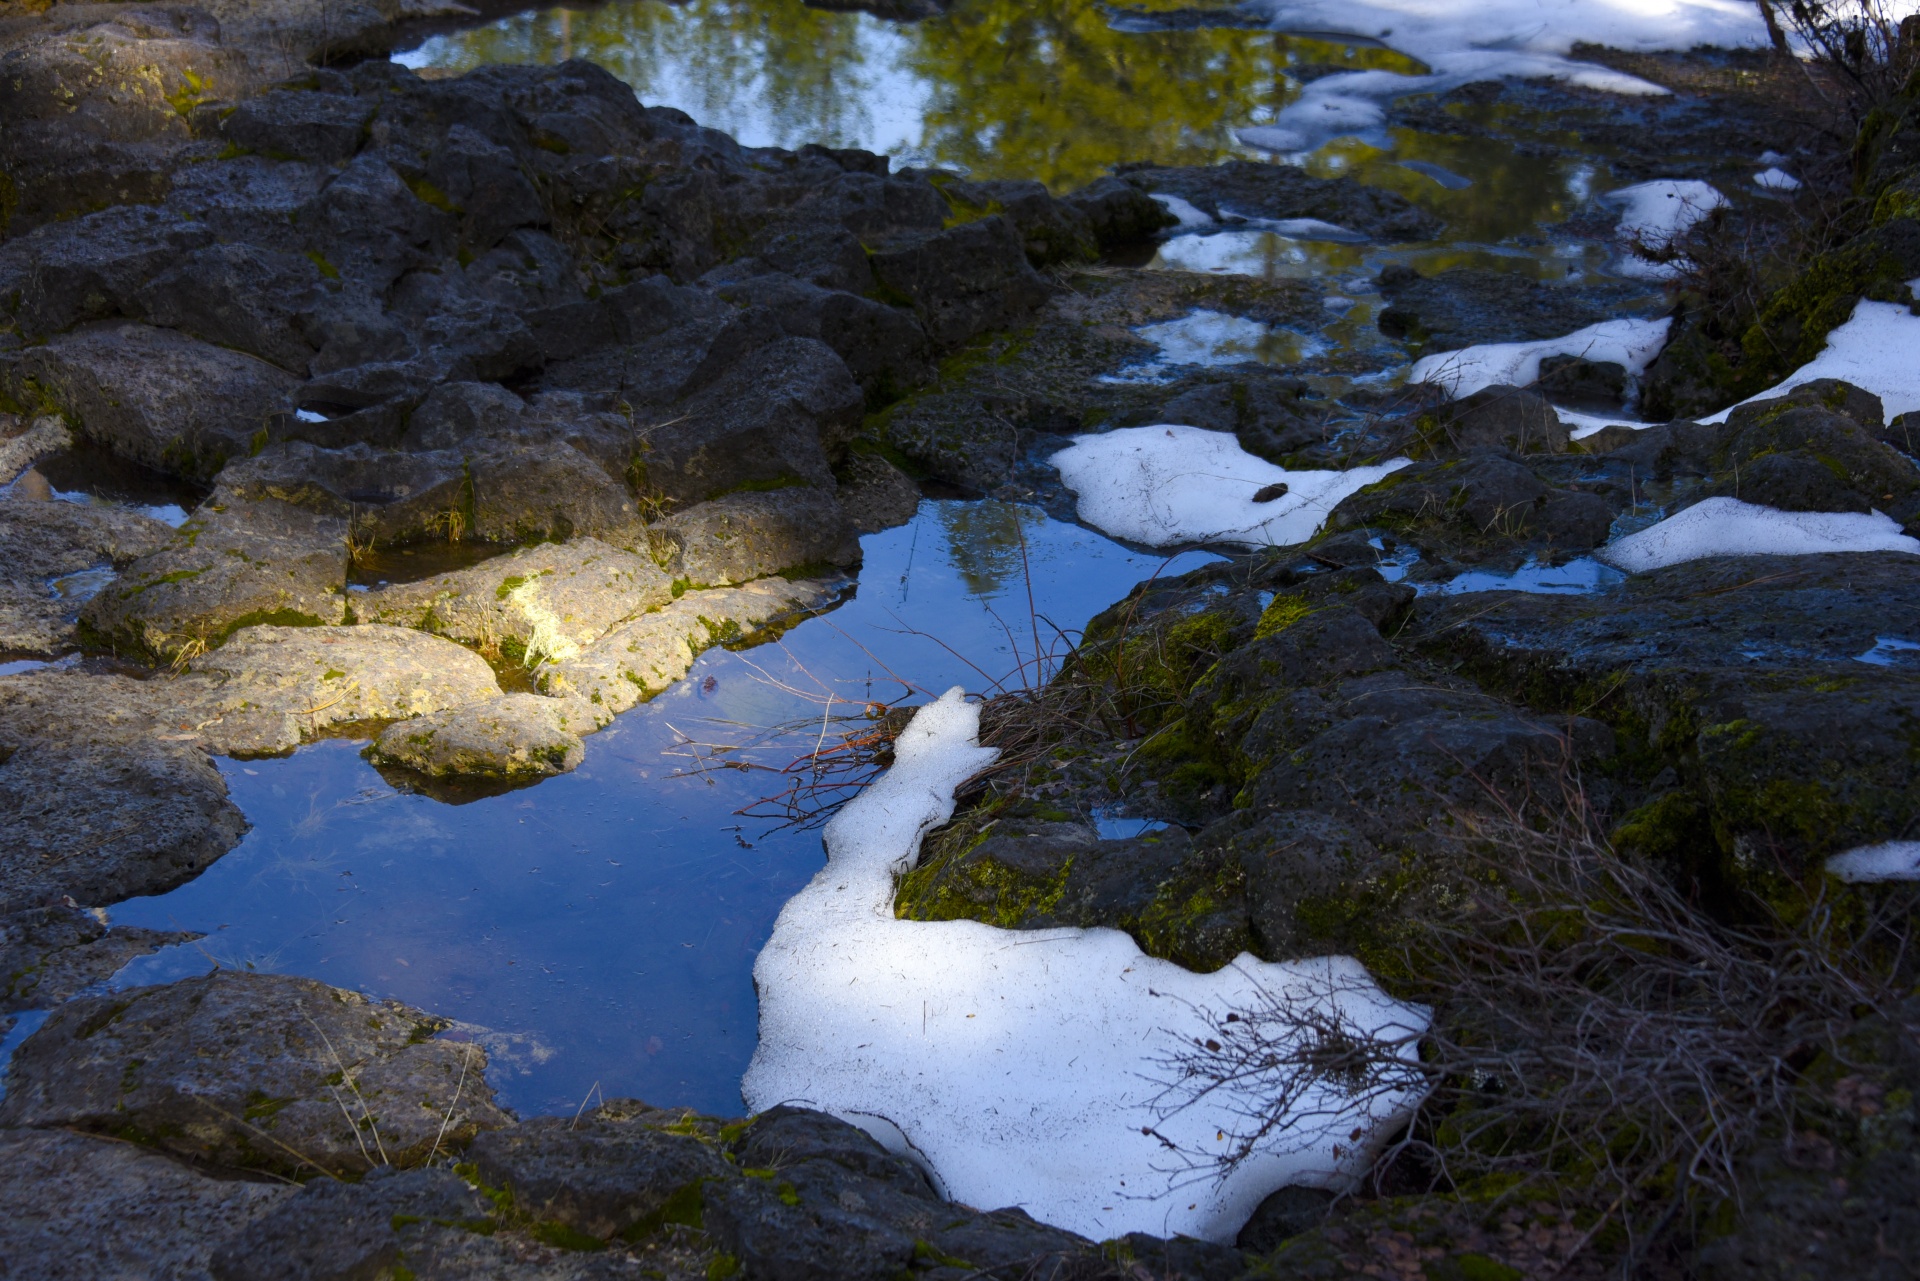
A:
(1265, 413)
(232, 565)
(270, 687)
(56, 556)
(750, 535)
(47, 954)
(241, 297)
(1053, 231)
(876, 495)
(1485, 504)
(638, 659)
(517, 737)
(1119, 213)
(551, 492)
(334, 1229)
(1285, 1214)
(1250, 189)
(22, 443)
(153, 395)
(539, 604)
(1795, 434)
(962, 281)
(386, 497)
(1790, 482)
(1579, 383)
(320, 128)
(62, 1191)
(254, 1070)
(602, 1175)
(1499, 418)
(884, 347)
(1467, 305)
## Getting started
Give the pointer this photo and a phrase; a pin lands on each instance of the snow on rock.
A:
(1729, 527)
(1776, 179)
(1632, 343)
(1656, 212)
(1580, 425)
(1171, 484)
(1889, 861)
(1876, 349)
(1186, 212)
(1019, 1064)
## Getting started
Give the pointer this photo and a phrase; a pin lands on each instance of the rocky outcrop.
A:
(518, 738)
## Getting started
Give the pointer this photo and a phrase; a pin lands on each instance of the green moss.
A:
(1283, 613)
(319, 260)
(722, 1266)
(508, 586)
(685, 1207)
(563, 1237)
(432, 195)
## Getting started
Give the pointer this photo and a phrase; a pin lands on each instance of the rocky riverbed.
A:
(461, 414)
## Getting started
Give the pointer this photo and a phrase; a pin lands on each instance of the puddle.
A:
(379, 567)
(1121, 829)
(1578, 577)
(610, 917)
(86, 474)
(83, 585)
(1205, 337)
(23, 1025)
(1890, 651)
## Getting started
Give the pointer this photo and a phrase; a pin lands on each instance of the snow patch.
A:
(1656, 212)
(1173, 484)
(1776, 180)
(1018, 1064)
(1875, 350)
(1729, 527)
(1889, 861)
(1632, 343)
(1188, 215)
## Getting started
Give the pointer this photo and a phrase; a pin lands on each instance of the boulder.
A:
(334, 1229)
(515, 738)
(1466, 305)
(1499, 418)
(962, 281)
(540, 604)
(1250, 189)
(875, 494)
(167, 1219)
(232, 565)
(385, 496)
(753, 534)
(548, 492)
(1579, 383)
(1119, 213)
(24, 441)
(270, 687)
(263, 1071)
(153, 395)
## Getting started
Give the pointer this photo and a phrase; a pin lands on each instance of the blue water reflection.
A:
(601, 928)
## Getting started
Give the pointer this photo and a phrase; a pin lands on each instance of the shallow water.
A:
(601, 928)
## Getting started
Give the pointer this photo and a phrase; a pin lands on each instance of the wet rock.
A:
(56, 555)
(22, 442)
(47, 954)
(232, 565)
(602, 1175)
(962, 281)
(1246, 189)
(1498, 418)
(1579, 383)
(638, 659)
(1468, 305)
(1790, 482)
(74, 1207)
(270, 687)
(256, 1070)
(875, 494)
(153, 395)
(1267, 414)
(539, 604)
(750, 535)
(518, 737)
(1120, 213)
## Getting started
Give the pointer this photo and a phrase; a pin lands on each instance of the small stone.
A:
(519, 736)
(1269, 493)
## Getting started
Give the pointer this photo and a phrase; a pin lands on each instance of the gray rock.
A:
(1804, 428)
(883, 346)
(270, 687)
(1498, 418)
(74, 1207)
(1254, 190)
(1579, 383)
(23, 441)
(875, 494)
(47, 954)
(153, 395)
(638, 659)
(1796, 481)
(962, 281)
(750, 535)
(386, 497)
(515, 738)
(320, 128)
(330, 1229)
(232, 565)
(1282, 1216)
(241, 297)
(602, 1175)
(54, 556)
(255, 1070)
(1466, 305)
(1053, 231)
(1120, 213)
(547, 492)
(540, 604)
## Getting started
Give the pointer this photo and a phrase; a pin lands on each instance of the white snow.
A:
(1173, 484)
(1632, 343)
(1776, 180)
(1729, 527)
(1656, 212)
(1581, 425)
(1018, 1064)
(1188, 215)
(1889, 861)
(1878, 349)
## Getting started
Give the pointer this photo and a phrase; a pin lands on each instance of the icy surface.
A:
(1018, 1064)
(1171, 484)
(1875, 349)
(1890, 861)
(1632, 343)
(1888, 651)
(1578, 577)
(1729, 527)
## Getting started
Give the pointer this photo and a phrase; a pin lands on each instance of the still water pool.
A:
(600, 929)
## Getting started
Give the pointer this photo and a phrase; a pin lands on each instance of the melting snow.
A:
(1188, 215)
(1729, 527)
(1875, 349)
(1017, 1063)
(1172, 484)
(1632, 343)
(1776, 180)
(1890, 861)
(1656, 212)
